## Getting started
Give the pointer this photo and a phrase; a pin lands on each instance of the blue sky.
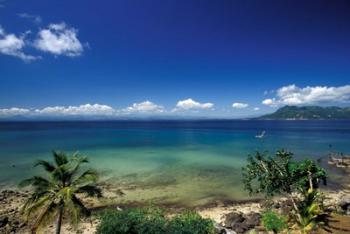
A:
(201, 58)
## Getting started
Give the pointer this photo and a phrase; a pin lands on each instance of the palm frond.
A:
(60, 158)
(74, 165)
(74, 208)
(59, 189)
(78, 203)
(35, 203)
(80, 158)
(87, 177)
(45, 164)
(36, 181)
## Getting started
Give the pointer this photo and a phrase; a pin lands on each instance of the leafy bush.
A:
(152, 221)
(190, 222)
(273, 222)
(280, 174)
(132, 221)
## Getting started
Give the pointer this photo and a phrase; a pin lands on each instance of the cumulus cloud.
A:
(269, 102)
(239, 105)
(190, 104)
(13, 45)
(294, 95)
(256, 108)
(13, 112)
(146, 106)
(87, 109)
(35, 18)
(59, 39)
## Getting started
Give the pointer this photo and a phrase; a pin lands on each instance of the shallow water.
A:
(192, 162)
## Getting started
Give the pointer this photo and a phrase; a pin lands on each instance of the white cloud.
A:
(59, 39)
(269, 102)
(239, 105)
(190, 104)
(294, 95)
(87, 109)
(13, 112)
(12, 45)
(35, 18)
(256, 108)
(146, 106)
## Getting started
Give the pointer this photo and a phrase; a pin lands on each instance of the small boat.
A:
(261, 135)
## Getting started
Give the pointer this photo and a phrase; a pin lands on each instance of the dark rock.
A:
(232, 219)
(222, 230)
(252, 220)
(3, 221)
(344, 204)
(277, 205)
(241, 223)
(15, 223)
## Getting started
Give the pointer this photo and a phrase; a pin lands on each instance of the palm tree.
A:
(56, 195)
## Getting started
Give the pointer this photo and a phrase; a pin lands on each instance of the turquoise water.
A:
(193, 162)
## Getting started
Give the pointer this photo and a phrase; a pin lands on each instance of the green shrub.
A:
(132, 221)
(190, 222)
(152, 221)
(273, 222)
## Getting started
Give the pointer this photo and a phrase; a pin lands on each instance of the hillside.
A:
(309, 112)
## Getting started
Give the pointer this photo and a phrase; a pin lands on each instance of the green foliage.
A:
(306, 174)
(311, 212)
(152, 221)
(55, 195)
(280, 174)
(271, 175)
(133, 221)
(273, 222)
(190, 223)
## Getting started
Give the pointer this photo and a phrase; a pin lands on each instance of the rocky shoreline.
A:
(229, 217)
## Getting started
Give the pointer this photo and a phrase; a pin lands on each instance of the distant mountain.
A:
(308, 112)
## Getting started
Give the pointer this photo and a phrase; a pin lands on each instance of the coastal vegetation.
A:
(274, 222)
(294, 204)
(308, 112)
(152, 220)
(57, 194)
(299, 181)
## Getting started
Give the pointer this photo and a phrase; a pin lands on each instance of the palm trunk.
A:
(59, 220)
(310, 180)
(296, 208)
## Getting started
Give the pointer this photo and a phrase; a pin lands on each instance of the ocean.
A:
(188, 162)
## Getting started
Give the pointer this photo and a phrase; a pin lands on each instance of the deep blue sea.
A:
(189, 161)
